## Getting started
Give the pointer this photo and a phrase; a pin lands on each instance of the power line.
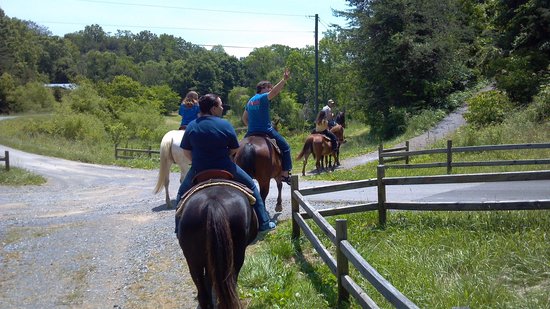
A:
(191, 9)
(176, 28)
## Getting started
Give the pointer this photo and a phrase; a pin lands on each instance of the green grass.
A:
(436, 259)
(19, 177)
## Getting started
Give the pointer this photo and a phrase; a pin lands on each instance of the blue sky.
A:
(237, 25)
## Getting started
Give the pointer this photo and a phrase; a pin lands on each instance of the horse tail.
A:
(166, 160)
(308, 145)
(219, 255)
(248, 159)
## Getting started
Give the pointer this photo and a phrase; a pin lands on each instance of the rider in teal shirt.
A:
(258, 119)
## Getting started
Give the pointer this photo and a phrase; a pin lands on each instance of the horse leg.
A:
(166, 185)
(199, 278)
(264, 189)
(279, 206)
(305, 163)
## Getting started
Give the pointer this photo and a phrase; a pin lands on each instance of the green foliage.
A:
(422, 122)
(237, 99)
(7, 86)
(86, 100)
(388, 123)
(539, 110)
(488, 108)
(288, 111)
(31, 97)
(19, 177)
(79, 127)
(140, 121)
(168, 99)
(410, 57)
(517, 76)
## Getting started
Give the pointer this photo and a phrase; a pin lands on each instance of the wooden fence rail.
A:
(345, 252)
(125, 151)
(403, 153)
(6, 159)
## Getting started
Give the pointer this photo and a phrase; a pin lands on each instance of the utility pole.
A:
(316, 65)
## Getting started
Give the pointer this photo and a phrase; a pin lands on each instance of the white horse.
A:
(170, 152)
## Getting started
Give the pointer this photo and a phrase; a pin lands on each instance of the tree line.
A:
(393, 60)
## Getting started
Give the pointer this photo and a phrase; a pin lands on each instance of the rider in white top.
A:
(328, 112)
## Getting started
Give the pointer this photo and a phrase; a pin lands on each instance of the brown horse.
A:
(216, 225)
(338, 130)
(258, 158)
(318, 145)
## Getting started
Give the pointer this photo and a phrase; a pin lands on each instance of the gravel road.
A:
(96, 237)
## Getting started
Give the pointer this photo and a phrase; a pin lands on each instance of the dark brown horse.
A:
(318, 145)
(216, 225)
(258, 158)
(338, 130)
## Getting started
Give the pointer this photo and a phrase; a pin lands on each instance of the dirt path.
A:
(92, 237)
(448, 125)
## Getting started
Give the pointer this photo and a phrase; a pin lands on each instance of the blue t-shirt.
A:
(210, 138)
(188, 114)
(258, 113)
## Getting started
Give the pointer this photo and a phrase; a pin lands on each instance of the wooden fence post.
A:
(7, 159)
(295, 206)
(380, 150)
(449, 156)
(149, 152)
(342, 264)
(407, 150)
(380, 174)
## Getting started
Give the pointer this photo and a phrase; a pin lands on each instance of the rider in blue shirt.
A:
(189, 109)
(209, 142)
(258, 119)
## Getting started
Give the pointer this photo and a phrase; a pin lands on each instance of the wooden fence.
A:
(6, 158)
(403, 153)
(127, 151)
(345, 253)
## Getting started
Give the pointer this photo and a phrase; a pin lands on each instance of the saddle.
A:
(269, 139)
(214, 177)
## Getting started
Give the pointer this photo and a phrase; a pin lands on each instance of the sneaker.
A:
(267, 226)
(286, 179)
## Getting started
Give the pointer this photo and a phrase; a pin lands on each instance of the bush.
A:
(32, 97)
(539, 110)
(518, 77)
(486, 108)
(79, 127)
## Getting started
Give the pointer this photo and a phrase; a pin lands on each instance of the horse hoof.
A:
(279, 208)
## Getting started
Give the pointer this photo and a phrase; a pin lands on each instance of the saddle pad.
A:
(215, 182)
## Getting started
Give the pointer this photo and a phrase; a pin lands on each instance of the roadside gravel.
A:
(92, 237)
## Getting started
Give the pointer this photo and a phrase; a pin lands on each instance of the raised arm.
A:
(277, 88)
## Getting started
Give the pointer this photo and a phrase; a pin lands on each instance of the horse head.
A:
(341, 118)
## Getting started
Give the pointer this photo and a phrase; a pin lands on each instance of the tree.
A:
(407, 54)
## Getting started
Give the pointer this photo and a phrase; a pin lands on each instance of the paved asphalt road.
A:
(67, 173)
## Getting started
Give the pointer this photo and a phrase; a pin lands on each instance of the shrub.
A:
(79, 127)
(539, 110)
(486, 108)
(32, 97)
(518, 76)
